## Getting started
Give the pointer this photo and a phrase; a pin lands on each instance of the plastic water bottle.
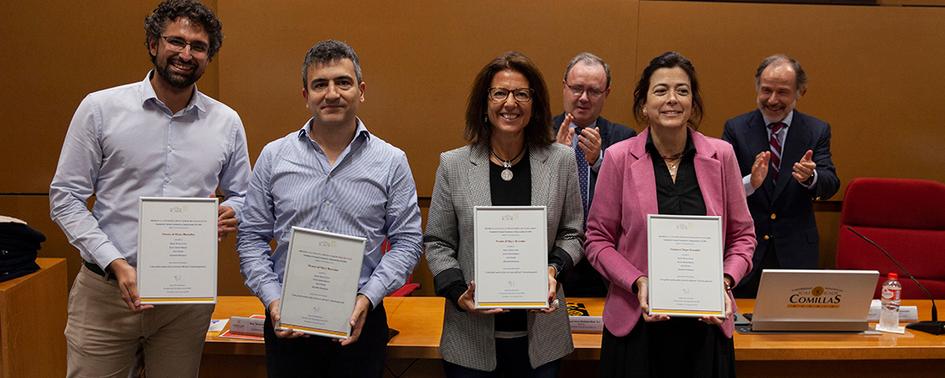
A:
(889, 315)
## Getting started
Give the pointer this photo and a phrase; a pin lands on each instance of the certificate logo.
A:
(815, 297)
(329, 244)
(682, 226)
(509, 217)
(177, 209)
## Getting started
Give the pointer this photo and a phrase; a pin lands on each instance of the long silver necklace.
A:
(507, 174)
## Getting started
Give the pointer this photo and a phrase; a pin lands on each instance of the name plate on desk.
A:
(321, 282)
(177, 250)
(511, 256)
(685, 265)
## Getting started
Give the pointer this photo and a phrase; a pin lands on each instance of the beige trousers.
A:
(104, 338)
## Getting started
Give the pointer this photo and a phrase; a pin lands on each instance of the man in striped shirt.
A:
(331, 175)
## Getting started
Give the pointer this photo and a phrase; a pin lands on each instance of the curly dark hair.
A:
(669, 59)
(193, 10)
(479, 131)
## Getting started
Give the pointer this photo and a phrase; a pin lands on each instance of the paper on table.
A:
(217, 325)
(906, 313)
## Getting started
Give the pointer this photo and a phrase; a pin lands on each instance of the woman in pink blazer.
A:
(669, 168)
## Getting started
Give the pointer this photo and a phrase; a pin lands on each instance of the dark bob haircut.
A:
(171, 10)
(479, 130)
(670, 59)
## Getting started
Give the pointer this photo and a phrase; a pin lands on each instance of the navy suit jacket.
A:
(783, 211)
(583, 280)
(610, 133)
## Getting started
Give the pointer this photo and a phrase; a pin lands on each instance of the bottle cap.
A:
(893, 276)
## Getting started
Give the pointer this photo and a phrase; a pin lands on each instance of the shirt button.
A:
(766, 237)
(774, 216)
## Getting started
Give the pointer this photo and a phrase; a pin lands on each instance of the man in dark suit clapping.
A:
(586, 85)
(784, 156)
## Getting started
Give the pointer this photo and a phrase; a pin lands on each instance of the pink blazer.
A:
(626, 193)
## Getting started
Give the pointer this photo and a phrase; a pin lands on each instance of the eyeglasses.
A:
(178, 44)
(578, 90)
(502, 94)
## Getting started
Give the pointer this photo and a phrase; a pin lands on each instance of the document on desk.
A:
(511, 256)
(320, 284)
(177, 250)
(685, 265)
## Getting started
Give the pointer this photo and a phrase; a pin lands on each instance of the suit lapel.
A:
(708, 173)
(758, 141)
(538, 158)
(794, 148)
(478, 188)
(603, 127)
(642, 170)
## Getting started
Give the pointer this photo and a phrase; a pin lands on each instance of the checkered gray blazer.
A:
(462, 182)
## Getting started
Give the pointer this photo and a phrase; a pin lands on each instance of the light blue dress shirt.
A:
(124, 143)
(369, 192)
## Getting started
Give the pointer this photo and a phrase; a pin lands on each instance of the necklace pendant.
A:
(507, 174)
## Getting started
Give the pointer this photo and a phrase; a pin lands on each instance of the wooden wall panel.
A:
(54, 53)
(873, 73)
(418, 58)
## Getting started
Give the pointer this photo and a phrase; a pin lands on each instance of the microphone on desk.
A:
(934, 327)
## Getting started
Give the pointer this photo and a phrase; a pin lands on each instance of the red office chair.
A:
(408, 287)
(905, 216)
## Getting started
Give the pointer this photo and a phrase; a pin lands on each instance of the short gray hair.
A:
(328, 51)
(799, 75)
(590, 59)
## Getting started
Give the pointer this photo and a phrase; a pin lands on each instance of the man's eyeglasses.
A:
(178, 44)
(578, 90)
(519, 95)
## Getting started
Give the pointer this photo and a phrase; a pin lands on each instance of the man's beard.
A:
(177, 80)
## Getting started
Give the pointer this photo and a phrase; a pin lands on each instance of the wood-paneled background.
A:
(876, 75)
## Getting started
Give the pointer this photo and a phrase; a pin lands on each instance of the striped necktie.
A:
(774, 143)
(582, 168)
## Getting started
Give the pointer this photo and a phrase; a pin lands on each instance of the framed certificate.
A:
(320, 284)
(177, 250)
(511, 256)
(684, 258)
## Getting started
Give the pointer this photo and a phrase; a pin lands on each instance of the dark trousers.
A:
(316, 356)
(748, 288)
(511, 361)
(679, 347)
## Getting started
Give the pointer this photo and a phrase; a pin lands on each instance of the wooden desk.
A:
(420, 319)
(32, 319)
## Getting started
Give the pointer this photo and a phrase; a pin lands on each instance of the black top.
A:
(515, 192)
(682, 197)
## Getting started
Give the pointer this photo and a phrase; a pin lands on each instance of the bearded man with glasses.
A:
(159, 137)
